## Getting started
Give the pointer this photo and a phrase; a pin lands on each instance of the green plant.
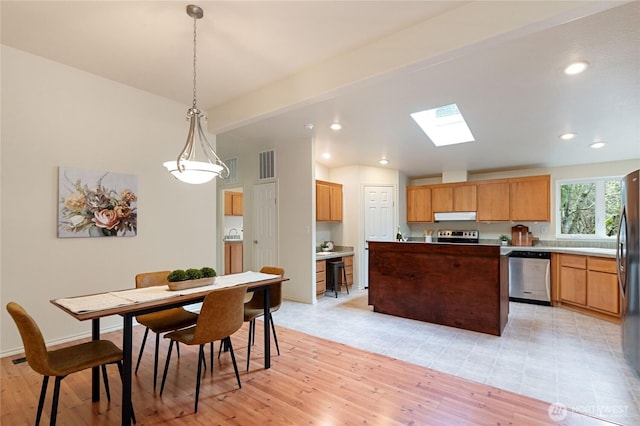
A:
(208, 272)
(191, 274)
(177, 275)
(503, 237)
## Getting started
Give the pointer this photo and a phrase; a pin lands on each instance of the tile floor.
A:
(551, 354)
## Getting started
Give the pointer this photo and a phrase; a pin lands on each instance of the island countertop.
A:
(458, 285)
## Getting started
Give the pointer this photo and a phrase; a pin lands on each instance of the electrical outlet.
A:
(544, 229)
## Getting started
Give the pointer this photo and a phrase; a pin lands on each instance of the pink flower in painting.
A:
(105, 219)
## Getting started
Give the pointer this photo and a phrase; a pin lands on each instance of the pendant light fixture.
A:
(186, 168)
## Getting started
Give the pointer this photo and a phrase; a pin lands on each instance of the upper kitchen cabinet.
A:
(465, 198)
(419, 204)
(523, 199)
(530, 199)
(232, 203)
(493, 202)
(328, 201)
(453, 198)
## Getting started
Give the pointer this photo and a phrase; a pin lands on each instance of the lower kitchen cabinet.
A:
(321, 277)
(233, 262)
(348, 267)
(589, 284)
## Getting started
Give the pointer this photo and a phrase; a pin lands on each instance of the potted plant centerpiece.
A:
(181, 279)
(504, 239)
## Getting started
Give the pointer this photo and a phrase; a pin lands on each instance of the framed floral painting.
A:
(96, 204)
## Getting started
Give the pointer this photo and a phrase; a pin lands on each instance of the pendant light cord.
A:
(194, 61)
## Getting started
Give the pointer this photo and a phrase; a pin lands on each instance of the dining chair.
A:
(254, 308)
(162, 321)
(59, 363)
(220, 316)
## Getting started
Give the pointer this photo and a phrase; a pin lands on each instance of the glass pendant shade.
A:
(186, 168)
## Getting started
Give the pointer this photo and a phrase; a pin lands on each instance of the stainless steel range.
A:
(445, 236)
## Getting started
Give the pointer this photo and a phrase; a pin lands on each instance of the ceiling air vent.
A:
(232, 164)
(267, 164)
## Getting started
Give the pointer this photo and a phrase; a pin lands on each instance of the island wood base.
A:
(457, 285)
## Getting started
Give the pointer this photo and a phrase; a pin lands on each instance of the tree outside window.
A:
(589, 208)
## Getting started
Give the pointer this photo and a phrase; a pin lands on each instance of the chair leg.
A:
(144, 340)
(106, 381)
(54, 404)
(346, 283)
(166, 367)
(211, 358)
(233, 358)
(198, 377)
(155, 361)
(133, 415)
(43, 392)
(275, 336)
(251, 325)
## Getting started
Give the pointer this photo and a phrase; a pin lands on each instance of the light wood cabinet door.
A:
(442, 199)
(335, 203)
(465, 198)
(321, 277)
(602, 292)
(323, 205)
(328, 202)
(348, 268)
(529, 199)
(493, 202)
(573, 287)
(228, 204)
(233, 262)
(419, 204)
(233, 203)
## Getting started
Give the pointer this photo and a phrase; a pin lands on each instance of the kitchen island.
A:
(457, 285)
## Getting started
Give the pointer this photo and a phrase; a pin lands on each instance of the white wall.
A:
(54, 115)
(296, 227)
(354, 179)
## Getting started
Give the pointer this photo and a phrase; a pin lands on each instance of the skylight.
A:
(444, 125)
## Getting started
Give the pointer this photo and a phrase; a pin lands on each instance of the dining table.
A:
(129, 303)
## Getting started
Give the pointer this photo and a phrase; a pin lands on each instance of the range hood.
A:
(451, 216)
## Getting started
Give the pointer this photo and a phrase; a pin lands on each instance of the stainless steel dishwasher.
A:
(530, 277)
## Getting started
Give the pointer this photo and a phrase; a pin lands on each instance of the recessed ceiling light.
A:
(597, 145)
(383, 161)
(567, 136)
(326, 155)
(576, 67)
(444, 125)
(336, 126)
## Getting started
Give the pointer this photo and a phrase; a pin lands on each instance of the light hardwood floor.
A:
(314, 382)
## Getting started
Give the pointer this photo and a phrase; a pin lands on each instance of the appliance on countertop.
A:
(458, 237)
(520, 236)
(450, 216)
(628, 263)
(530, 277)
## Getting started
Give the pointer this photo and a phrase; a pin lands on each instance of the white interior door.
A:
(378, 220)
(265, 213)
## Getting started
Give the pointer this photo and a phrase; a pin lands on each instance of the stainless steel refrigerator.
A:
(628, 259)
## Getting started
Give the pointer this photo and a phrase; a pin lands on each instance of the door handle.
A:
(255, 241)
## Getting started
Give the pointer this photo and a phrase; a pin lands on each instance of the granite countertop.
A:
(584, 251)
(323, 255)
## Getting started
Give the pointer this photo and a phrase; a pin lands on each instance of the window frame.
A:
(601, 228)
